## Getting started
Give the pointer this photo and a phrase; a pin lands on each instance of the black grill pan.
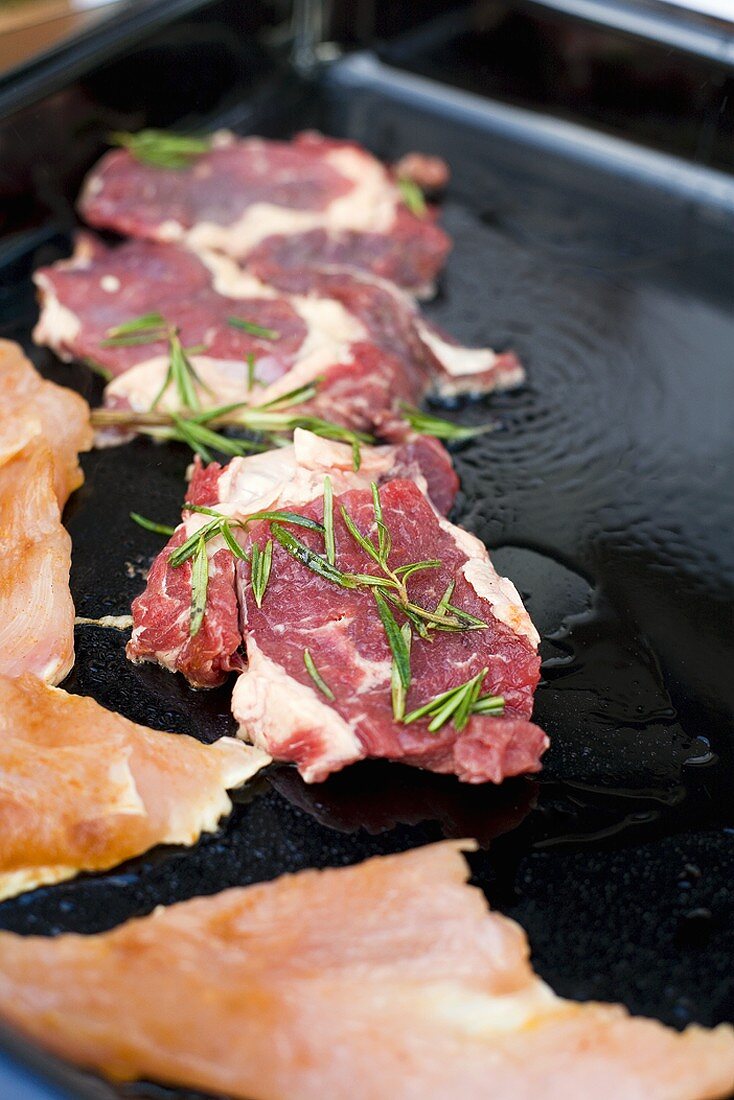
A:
(606, 495)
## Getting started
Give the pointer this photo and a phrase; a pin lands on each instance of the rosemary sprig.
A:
(362, 541)
(273, 429)
(412, 196)
(311, 559)
(261, 562)
(151, 525)
(181, 373)
(160, 148)
(218, 523)
(395, 582)
(199, 586)
(400, 648)
(329, 541)
(398, 688)
(489, 704)
(458, 703)
(200, 438)
(316, 675)
(296, 396)
(443, 604)
(251, 379)
(232, 544)
(405, 571)
(428, 424)
(253, 329)
(384, 539)
(148, 329)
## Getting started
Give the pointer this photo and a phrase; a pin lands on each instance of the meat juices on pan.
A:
(332, 983)
(279, 204)
(360, 340)
(282, 478)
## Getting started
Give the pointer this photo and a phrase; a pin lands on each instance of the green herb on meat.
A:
(151, 525)
(412, 196)
(161, 148)
(253, 329)
(316, 675)
(199, 586)
(261, 562)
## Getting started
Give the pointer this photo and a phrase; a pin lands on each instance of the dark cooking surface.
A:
(607, 497)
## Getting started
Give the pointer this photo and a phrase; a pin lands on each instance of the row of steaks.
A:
(312, 239)
(359, 621)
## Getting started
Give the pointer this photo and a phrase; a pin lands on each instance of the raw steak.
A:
(281, 203)
(280, 709)
(360, 336)
(283, 478)
(390, 978)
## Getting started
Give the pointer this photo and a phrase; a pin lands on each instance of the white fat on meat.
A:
(454, 359)
(272, 710)
(292, 476)
(331, 332)
(232, 281)
(498, 591)
(57, 327)
(457, 361)
(368, 207)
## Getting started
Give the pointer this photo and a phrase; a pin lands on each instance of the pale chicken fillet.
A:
(30, 404)
(83, 789)
(42, 429)
(36, 609)
(386, 979)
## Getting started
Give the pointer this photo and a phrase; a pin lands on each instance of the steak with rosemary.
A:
(357, 342)
(326, 644)
(283, 478)
(278, 204)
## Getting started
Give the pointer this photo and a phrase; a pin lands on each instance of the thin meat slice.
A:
(83, 789)
(36, 609)
(29, 404)
(98, 288)
(275, 479)
(388, 978)
(42, 429)
(358, 338)
(278, 202)
(281, 709)
(434, 361)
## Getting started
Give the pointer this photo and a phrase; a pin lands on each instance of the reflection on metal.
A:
(552, 135)
(675, 23)
(311, 19)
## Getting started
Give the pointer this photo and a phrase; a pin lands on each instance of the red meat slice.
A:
(100, 288)
(249, 195)
(280, 708)
(405, 256)
(362, 338)
(292, 475)
(161, 616)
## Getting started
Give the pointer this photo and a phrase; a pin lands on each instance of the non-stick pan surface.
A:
(606, 494)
